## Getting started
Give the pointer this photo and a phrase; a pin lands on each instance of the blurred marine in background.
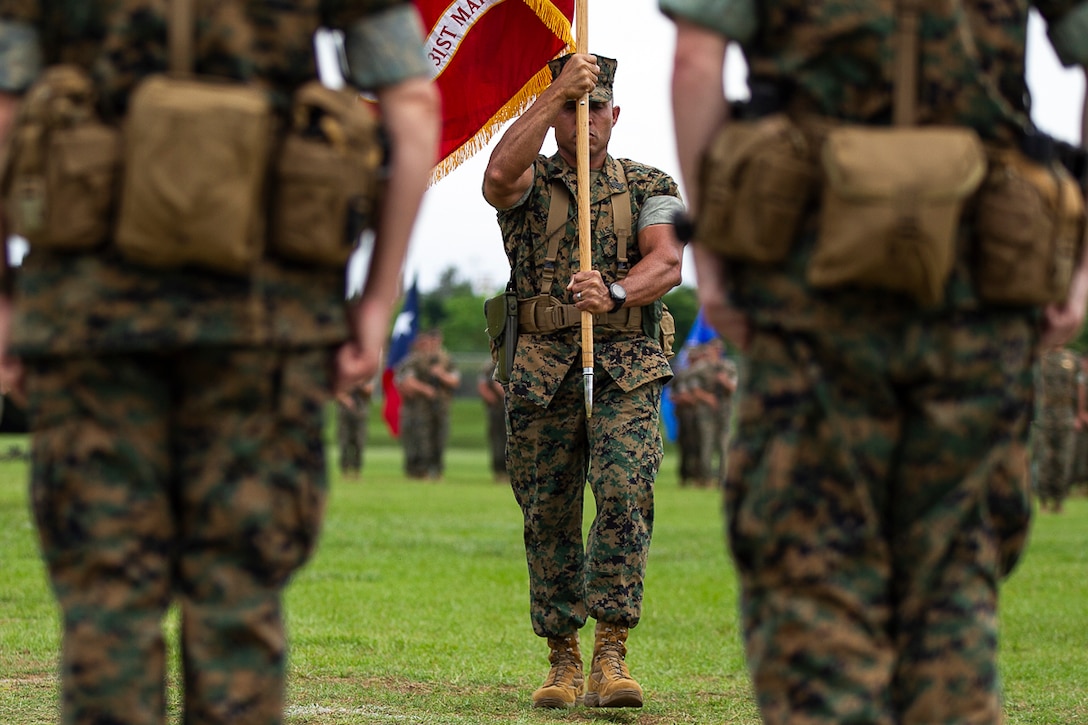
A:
(1053, 431)
(352, 423)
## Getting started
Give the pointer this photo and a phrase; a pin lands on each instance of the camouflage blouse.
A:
(419, 365)
(121, 41)
(542, 360)
(96, 302)
(838, 53)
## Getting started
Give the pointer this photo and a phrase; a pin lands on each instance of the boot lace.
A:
(613, 664)
(561, 673)
(564, 667)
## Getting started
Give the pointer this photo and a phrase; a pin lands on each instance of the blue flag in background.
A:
(700, 332)
(405, 329)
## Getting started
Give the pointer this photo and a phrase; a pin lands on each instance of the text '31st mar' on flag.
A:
(489, 59)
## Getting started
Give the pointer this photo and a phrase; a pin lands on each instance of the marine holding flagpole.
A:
(552, 450)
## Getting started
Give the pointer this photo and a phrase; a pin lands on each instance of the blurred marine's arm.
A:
(1062, 321)
(377, 60)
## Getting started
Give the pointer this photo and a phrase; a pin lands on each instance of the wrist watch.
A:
(618, 295)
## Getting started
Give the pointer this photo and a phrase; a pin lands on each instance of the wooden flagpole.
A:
(585, 241)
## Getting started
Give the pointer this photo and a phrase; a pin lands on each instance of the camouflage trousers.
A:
(196, 479)
(725, 427)
(709, 433)
(551, 454)
(425, 430)
(1080, 457)
(416, 453)
(1052, 450)
(876, 493)
(351, 429)
(496, 436)
(687, 443)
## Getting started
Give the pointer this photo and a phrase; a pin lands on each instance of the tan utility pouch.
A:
(891, 207)
(756, 182)
(328, 185)
(196, 165)
(59, 184)
(1030, 225)
(668, 332)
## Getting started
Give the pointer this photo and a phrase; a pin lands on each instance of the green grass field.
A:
(415, 608)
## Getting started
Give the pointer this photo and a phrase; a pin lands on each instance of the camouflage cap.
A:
(603, 92)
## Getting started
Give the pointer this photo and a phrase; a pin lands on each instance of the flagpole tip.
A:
(587, 379)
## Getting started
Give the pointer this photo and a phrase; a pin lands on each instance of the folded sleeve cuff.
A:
(386, 48)
(20, 56)
(735, 19)
(659, 210)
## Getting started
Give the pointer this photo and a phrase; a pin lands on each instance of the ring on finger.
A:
(578, 295)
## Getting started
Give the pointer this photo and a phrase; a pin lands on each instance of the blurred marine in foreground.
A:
(180, 316)
(890, 242)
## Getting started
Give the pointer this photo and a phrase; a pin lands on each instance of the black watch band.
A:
(618, 298)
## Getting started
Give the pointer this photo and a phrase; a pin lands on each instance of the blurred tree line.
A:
(458, 311)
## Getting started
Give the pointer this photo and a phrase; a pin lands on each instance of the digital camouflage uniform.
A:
(876, 491)
(425, 422)
(496, 426)
(726, 370)
(687, 440)
(177, 415)
(1053, 435)
(351, 429)
(707, 415)
(411, 421)
(1080, 447)
(552, 452)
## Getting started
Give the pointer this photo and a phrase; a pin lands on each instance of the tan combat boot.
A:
(609, 683)
(563, 685)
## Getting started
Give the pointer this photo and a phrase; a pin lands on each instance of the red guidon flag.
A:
(489, 60)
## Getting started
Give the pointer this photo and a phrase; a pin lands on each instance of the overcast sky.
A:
(457, 227)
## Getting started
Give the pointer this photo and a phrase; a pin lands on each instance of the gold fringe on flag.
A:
(553, 20)
(557, 23)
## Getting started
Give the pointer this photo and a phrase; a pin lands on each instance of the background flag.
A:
(405, 329)
(489, 61)
(700, 332)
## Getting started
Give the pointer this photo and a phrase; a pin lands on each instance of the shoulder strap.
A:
(180, 36)
(621, 216)
(558, 209)
(905, 102)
